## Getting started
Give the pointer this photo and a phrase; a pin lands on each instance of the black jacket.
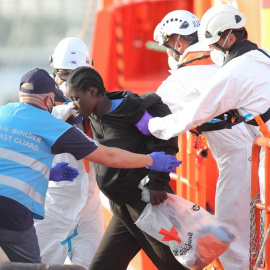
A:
(117, 129)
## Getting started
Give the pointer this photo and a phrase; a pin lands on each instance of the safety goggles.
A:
(63, 75)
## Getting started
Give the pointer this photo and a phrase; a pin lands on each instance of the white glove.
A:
(63, 111)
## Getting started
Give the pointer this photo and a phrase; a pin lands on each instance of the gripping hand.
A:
(62, 172)
(163, 162)
(142, 124)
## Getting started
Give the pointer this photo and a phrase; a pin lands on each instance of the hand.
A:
(62, 172)
(142, 124)
(78, 120)
(163, 162)
(158, 196)
(73, 120)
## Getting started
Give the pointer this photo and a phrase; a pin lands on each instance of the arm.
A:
(159, 180)
(73, 141)
(218, 98)
(119, 158)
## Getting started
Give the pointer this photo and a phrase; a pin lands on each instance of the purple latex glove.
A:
(62, 172)
(163, 162)
(142, 124)
(78, 120)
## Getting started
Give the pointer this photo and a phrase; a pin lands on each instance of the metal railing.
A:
(260, 246)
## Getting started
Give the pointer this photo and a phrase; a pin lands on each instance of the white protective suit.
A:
(231, 148)
(73, 224)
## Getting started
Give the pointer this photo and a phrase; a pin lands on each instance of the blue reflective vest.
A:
(27, 134)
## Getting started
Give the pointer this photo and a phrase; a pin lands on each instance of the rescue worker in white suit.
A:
(73, 209)
(231, 148)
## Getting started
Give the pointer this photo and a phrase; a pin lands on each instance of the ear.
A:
(93, 91)
(231, 39)
(47, 100)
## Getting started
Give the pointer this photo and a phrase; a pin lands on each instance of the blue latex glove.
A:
(223, 234)
(220, 232)
(142, 124)
(163, 162)
(62, 172)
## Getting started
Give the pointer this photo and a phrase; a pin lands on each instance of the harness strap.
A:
(262, 51)
(224, 124)
(196, 58)
(227, 123)
(263, 127)
(264, 116)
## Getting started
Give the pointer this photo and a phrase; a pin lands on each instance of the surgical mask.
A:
(62, 87)
(218, 57)
(172, 63)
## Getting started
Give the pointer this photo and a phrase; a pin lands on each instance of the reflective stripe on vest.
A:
(24, 187)
(25, 160)
(18, 184)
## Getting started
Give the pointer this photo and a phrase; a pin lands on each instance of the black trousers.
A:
(123, 240)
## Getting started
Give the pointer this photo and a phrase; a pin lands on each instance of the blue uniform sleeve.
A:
(74, 142)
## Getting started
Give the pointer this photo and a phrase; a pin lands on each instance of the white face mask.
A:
(172, 63)
(62, 87)
(218, 57)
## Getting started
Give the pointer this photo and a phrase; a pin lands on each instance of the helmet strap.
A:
(173, 49)
(222, 47)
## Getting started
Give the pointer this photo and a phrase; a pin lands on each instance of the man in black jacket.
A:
(113, 117)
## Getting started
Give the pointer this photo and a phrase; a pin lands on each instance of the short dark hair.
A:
(82, 78)
(240, 33)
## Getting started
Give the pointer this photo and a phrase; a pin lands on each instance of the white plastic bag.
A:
(194, 236)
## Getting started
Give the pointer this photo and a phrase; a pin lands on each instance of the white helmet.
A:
(216, 20)
(70, 53)
(176, 22)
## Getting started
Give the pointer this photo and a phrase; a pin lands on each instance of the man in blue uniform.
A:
(30, 137)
